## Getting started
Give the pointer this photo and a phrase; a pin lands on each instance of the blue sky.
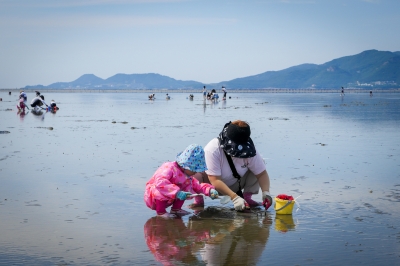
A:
(47, 41)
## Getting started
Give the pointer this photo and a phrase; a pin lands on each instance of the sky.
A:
(209, 41)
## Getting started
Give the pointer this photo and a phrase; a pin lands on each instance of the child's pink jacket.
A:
(167, 181)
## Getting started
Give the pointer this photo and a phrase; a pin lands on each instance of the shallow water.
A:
(72, 182)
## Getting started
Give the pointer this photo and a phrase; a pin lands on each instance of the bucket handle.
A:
(284, 206)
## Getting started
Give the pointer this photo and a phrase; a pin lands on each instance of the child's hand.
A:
(182, 195)
(213, 194)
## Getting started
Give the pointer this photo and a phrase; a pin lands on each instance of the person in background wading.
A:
(53, 106)
(22, 101)
(224, 91)
(23, 96)
(234, 143)
(38, 101)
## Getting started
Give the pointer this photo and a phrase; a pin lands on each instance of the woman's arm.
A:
(263, 180)
(221, 187)
(45, 103)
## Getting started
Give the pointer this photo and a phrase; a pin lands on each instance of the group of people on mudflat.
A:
(36, 103)
(229, 165)
(213, 95)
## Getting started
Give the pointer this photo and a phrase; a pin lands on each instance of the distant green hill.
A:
(124, 81)
(369, 69)
(150, 81)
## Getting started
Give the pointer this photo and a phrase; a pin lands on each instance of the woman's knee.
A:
(251, 183)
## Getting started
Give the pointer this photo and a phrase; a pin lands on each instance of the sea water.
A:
(72, 182)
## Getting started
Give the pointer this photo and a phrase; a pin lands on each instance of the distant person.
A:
(22, 101)
(224, 91)
(191, 96)
(342, 93)
(152, 96)
(42, 97)
(21, 105)
(370, 93)
(173, 182)
(167, 97)
(215, 97)
(23, 95)
(38, 101)
(53, 106)
(204, 92)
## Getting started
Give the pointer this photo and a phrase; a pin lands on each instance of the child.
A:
(21, 105)
(53, 106)
(22, 101)
(22, 95)
(173, 182)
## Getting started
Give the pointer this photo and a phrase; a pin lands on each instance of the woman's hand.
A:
(267, 199)
(239, 203)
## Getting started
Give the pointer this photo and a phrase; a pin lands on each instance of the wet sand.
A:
(72, 182)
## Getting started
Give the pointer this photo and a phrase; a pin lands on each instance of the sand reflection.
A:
(208, 239)
(284, 223)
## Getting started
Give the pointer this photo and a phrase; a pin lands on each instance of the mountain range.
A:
(369, 69)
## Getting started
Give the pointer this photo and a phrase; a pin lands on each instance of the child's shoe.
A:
(198, 201)
(167, 215)
(179, 212)
(247, 198)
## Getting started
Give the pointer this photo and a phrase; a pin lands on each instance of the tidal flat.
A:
(72, 182)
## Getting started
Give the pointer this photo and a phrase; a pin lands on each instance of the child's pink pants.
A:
(162, 205)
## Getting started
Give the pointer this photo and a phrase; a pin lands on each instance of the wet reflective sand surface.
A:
(72, 182)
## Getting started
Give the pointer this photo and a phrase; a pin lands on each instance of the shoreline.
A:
(200, 91)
